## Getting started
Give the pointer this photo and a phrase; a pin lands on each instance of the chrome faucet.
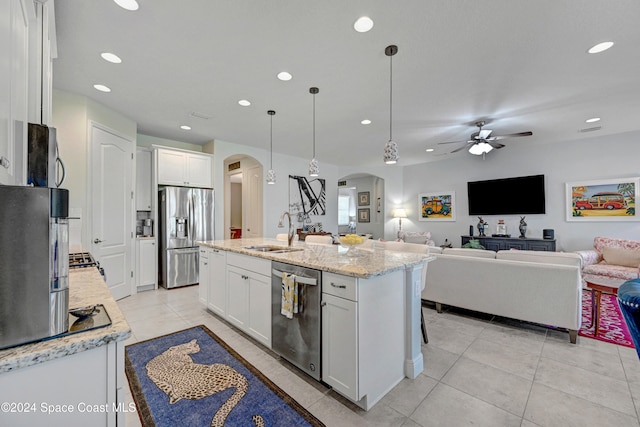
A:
(281, 225)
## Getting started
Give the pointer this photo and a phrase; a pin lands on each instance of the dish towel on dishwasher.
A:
(288, 295)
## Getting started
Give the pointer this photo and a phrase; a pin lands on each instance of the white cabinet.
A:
(217, 296)
(248, 302)
(184, 168)
(143, 180)
(14, 42)
(203, 275)
(361, 320)
(147, 263)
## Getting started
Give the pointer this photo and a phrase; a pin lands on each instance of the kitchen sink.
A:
(274, 249)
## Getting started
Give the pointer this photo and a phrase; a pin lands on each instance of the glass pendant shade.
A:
(271, 176)
(480, 148)
(314, 170)
(391, 153)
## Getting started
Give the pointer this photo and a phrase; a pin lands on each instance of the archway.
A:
(242, 197)
(361, 207)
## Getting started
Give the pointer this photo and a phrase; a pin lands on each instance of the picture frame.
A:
(604, 200)
(363, 215)
(364, 198)
(437, 206)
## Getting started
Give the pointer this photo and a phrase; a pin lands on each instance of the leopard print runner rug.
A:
(193, 378)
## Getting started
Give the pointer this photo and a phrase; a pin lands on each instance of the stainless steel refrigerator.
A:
(186, 216)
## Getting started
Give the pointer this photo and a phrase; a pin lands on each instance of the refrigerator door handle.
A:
(192, 224)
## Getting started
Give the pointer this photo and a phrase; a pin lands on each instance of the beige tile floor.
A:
(478, 371)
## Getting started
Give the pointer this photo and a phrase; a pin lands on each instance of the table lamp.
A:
(399, 213)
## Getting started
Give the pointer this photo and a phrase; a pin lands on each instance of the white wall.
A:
(276, 196)
(148, 141)
(393, 184)
(70, 116)
(587, 159)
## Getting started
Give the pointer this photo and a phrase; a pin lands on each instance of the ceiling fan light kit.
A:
(271, 174)
(391, 154)
(314, 169)
(481, 142)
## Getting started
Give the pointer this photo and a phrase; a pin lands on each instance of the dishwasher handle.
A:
(299, 279)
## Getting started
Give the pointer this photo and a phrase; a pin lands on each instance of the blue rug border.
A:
(144, 412)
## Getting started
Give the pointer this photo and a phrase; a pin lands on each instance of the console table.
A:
(501, 243)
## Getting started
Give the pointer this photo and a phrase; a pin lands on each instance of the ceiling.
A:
(519, 64)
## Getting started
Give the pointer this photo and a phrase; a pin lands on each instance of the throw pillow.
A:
(421, 237)
(621, 256)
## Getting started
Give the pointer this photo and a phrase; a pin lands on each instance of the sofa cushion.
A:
(421, 237)
(558, 258)
(621, 256)
(613, 271)
(479, 253)
(601, 242)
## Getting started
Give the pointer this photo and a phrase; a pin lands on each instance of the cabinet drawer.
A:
(257, 265)
(340, 286)
(204, 252)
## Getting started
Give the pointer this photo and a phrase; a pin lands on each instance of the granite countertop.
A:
(368, 263)
(86, 287)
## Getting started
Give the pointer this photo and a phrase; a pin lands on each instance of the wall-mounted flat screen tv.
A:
(508, 196)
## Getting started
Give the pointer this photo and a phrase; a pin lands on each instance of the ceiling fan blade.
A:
(513, 135)
(467, 145)
(452, 142)
(484, 134)
(495, 144)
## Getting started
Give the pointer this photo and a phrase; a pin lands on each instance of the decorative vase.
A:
(522, 227)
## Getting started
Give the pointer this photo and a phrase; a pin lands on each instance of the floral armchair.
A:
(612, 258)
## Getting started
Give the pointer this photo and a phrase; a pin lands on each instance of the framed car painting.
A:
(602, 200)
(438, 206)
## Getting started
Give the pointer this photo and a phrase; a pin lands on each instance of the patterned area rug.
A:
(193, 378)
(613, 328)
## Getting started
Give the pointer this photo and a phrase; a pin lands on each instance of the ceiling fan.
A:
(481, 142)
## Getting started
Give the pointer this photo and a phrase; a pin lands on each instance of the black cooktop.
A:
(81, 260)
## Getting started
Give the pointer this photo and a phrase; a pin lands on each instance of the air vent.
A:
(342, 183)
(593, 129)
(234, 166)
(199, 115)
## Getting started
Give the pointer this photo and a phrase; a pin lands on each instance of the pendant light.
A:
(314, 170)
(391, 148)
(271, 174)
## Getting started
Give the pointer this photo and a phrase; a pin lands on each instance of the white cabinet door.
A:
(198, 170)
(143, 180)
(217, 281)
(340, 345)
(203, 286)
(260, 308)
(171, 167)
(147, 262)
(237, 296)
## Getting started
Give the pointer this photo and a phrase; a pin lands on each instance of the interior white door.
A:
(252, 201)
(111, 204)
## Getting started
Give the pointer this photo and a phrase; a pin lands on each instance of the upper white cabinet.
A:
(14, 43)
(143, 180)
(184, 168)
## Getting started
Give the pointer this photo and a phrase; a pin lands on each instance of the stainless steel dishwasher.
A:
(298, 339)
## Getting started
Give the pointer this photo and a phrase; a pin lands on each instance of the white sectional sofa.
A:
(534, 286)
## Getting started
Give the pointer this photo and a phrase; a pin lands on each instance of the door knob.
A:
(96, 241)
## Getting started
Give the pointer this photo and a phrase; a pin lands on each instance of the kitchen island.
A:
(75, 379)
(371, 335)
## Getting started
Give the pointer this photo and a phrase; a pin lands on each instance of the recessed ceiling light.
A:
(363, 24)
(185, 127)
(428, 150)
(284, 76)
(127, 4)
(366, 122)
(111, 57)
(102, 88)
(244, 103)
(592, 120)
(600, 47)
